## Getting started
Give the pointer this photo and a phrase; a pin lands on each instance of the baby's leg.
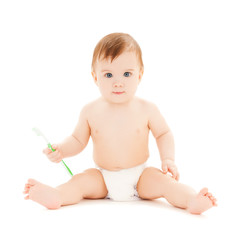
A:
(154, 184)
(89, 184)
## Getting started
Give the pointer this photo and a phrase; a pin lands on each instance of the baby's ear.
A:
(94, 77)
(140, 75)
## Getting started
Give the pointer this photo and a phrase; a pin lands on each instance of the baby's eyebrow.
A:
(110, 70)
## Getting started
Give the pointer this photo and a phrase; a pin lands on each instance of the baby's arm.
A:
(75, 143)
(164, 140)
(162, 133)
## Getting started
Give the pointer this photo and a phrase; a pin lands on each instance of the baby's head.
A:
(117, 67)
(113, 45)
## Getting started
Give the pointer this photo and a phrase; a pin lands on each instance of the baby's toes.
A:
(26, 188)
(26, 197)
(32, 182)
(209, 195)
(212, 198)
(26, 191)
(27, 185)
(203, 192)
(214, 201)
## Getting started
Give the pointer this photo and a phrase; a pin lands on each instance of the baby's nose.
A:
(118, 84)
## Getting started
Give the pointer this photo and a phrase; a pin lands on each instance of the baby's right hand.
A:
(55, 156)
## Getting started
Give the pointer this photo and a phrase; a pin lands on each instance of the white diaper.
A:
(122, 184)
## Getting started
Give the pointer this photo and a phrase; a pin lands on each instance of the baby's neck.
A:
(119, 105)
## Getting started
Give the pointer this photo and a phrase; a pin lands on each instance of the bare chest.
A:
(120, 127)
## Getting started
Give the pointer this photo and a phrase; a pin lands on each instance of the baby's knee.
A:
(86, 175)
(151, 183)
(150, 174)
(92, 173)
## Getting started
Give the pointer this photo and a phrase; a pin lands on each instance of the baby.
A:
(119, 124)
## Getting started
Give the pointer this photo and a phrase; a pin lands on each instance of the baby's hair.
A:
(113, 45)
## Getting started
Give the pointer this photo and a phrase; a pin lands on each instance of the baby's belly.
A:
(114, 156)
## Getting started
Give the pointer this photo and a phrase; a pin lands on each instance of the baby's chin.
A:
(119, 99)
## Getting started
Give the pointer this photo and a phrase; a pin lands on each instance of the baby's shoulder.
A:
(145, 104)
(91, 107)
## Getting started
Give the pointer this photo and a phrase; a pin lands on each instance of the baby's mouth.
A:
(118, 93)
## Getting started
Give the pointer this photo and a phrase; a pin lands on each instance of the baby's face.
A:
(118, 81)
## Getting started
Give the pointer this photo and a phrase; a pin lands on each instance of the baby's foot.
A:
(42, 194)
(202, 202)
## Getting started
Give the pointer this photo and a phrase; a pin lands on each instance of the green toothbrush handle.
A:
(50, 147)
(67, 168)
(53, 150)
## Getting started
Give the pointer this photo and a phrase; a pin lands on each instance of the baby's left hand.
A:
(168, 165)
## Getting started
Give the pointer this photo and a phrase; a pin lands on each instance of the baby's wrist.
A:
(60, 149)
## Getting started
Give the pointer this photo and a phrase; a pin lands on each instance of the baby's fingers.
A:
(175, 173)
(177, 176)
(55, 156)
(55, 147)
(164, 168)
(47, 151)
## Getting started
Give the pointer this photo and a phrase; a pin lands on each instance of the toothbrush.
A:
(39, 133)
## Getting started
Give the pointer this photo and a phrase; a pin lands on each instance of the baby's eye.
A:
(127, 74)
(108, 75)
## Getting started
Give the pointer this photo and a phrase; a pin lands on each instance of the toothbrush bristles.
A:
(39, 133)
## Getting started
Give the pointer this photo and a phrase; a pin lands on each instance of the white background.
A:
(191, 56)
